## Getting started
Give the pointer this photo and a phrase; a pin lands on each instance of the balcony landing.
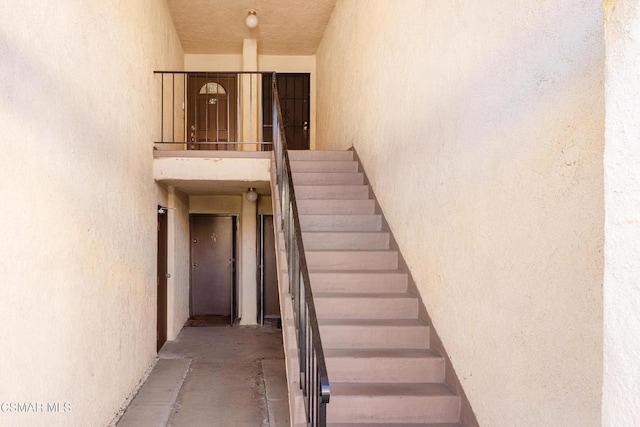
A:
(211, 172)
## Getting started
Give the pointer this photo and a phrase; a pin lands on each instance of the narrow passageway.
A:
(215, 376)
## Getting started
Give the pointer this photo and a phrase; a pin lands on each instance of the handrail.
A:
(314, 380)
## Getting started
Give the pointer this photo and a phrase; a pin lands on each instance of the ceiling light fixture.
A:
(251, 19)
(251, 195)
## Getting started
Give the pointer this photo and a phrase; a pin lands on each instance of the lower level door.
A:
(212, 265)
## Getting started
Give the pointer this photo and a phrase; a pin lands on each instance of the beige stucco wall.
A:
(178, 262)
(481, 127)
(78, 250)
(621, 389)
(172, 169)
(248, 289)
(209, 62)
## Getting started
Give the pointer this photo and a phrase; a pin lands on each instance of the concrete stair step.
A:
(392, 403)
(341, 240)
(388, 425)
(359, 281)
(341, 222)
(352, 260)
(374, 333)
(331, 305)
(395, 365)
(334, 192)
(328, 178)
(324, 206)
(324, 166)
(318, 155)
(354, 240)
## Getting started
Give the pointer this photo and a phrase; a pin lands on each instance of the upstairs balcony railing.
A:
(215, 111)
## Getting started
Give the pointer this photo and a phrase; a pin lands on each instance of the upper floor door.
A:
(211, 111)
(294, 91)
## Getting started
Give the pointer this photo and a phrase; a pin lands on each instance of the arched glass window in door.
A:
(212, 88)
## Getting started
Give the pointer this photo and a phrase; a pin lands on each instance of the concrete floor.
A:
(215, 376)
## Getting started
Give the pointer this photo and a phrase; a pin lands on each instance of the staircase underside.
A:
(381, 368)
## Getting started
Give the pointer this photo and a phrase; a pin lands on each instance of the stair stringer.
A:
(467, 416)
(297, 414)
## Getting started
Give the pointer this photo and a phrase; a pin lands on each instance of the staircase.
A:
(381, 368)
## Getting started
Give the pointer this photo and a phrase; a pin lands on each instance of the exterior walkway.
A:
(215, 376)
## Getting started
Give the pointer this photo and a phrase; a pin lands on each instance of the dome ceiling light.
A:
(252, 19)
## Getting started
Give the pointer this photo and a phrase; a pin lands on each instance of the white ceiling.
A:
(286, 27)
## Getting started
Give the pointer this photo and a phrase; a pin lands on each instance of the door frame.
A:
(261, 267)
(161, 273)
(267, 114)
(234, 263)
(194, 82)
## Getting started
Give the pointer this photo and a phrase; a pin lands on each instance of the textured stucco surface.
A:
(286, 27)
(247, 264)
(171, 169)
(481, 128)
(178, 262)
(621, 388)
(78, 250)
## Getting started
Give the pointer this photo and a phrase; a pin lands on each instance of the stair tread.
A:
(391, 389)
(407, 353)
(354, 271)
(327, 199)
(360, 271)
(372, 295)
(351, 215)
(390, 424)
(371, 322)
(355, 232)
(326, 173)
(333, 185)
(319, 160)
(346, 251)
(394, 424)
(335, 200)
(344, 206)
(311, 153)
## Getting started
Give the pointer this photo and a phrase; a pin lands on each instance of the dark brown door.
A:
(269, 278)
(212, 265)
(294, 94)
(211, 111)
(162, 278)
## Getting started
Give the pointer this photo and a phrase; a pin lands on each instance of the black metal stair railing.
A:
(314, 380)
